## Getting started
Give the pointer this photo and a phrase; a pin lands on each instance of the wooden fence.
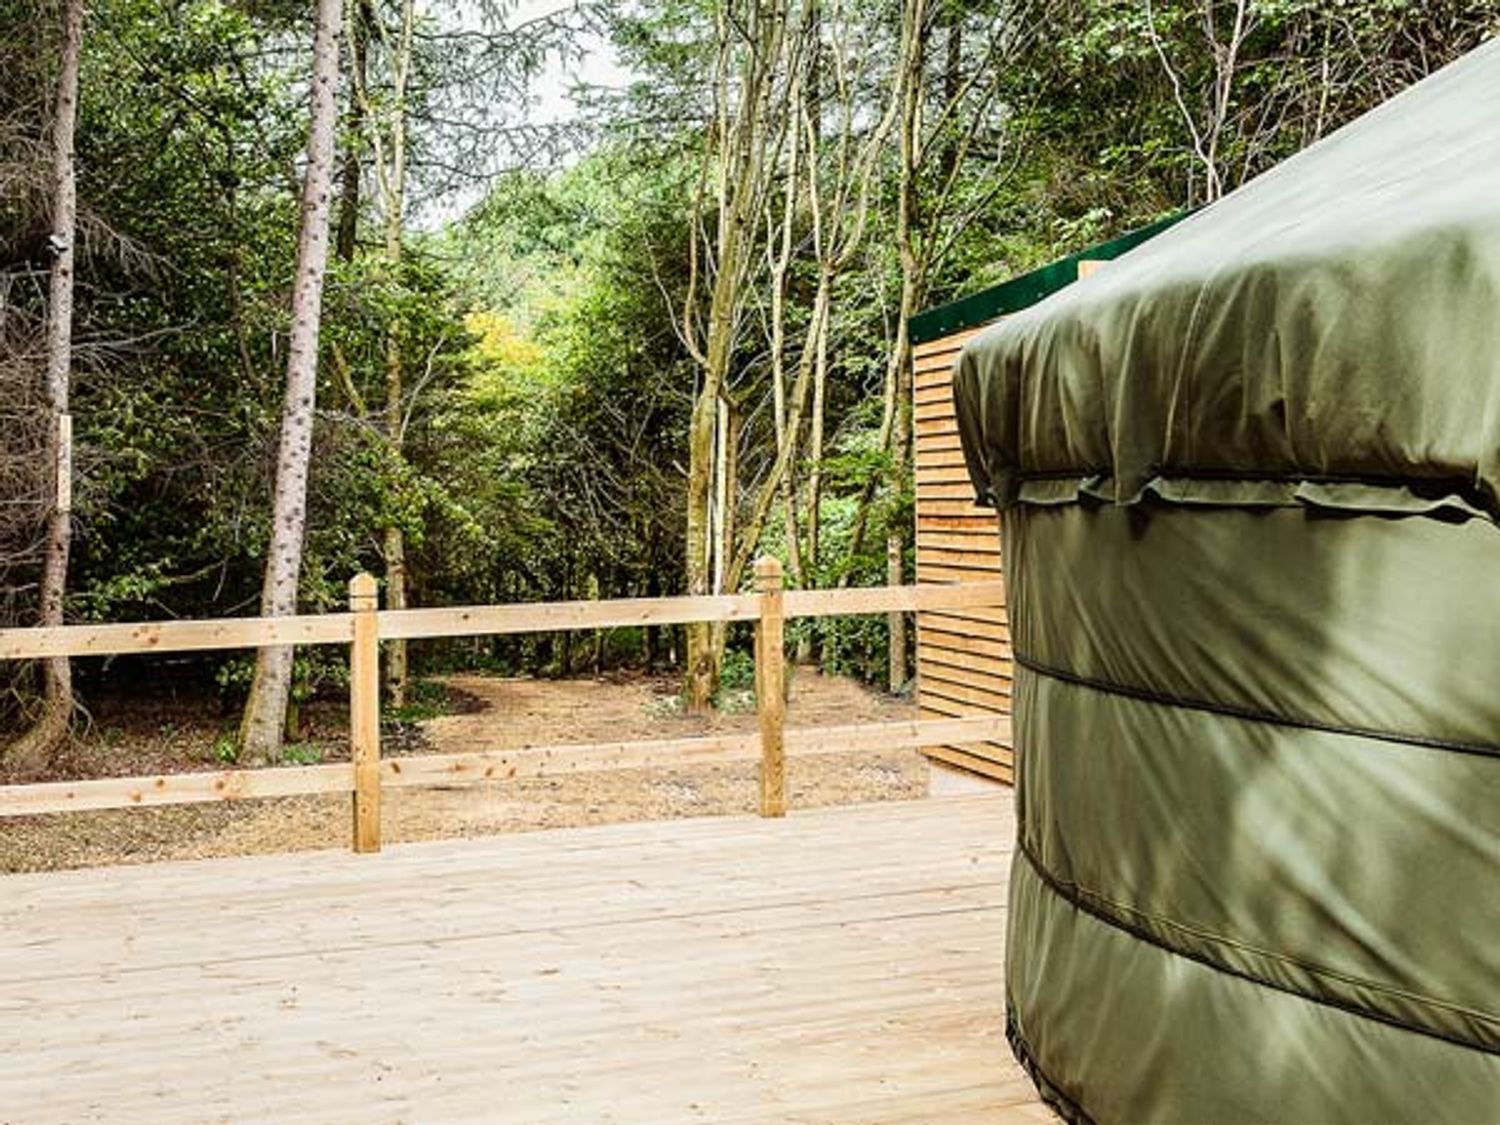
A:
(366, 625)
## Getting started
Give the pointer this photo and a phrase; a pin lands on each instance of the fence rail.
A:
(365, 626)
(468, 621)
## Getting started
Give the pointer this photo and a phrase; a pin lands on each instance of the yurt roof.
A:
(1017, 293)
(1329, 334)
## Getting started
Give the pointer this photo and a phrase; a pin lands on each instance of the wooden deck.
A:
(840, 966)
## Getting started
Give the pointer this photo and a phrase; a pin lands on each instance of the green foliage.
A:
(301, 754)
(226, 748)
(425, 699)
(854, 646)
(739, 670)
(314, 670)
(549, 390)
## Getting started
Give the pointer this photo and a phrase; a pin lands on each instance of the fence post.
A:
(770, 687)
(364, 711)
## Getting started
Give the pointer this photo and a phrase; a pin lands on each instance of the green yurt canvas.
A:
(1250, 485)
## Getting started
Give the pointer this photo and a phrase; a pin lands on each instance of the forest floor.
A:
(132, 737)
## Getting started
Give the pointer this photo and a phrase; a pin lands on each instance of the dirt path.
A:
(507, 713)
(530, 712)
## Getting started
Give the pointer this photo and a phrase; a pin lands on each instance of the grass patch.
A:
(425, 700)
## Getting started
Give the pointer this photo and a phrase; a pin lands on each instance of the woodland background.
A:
(615, 356)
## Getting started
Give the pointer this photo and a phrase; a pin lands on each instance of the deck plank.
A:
(841, 966)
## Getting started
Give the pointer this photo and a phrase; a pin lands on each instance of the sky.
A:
(599, 65)
(551, 93)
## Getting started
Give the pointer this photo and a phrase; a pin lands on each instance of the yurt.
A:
(1249, 484)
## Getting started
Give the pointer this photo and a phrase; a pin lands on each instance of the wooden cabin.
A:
(964, 656)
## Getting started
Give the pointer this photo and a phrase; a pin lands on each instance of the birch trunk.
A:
(815, 438)
(786, 431)
(898, 415)
(781, 242)
(393, 182)
(726, 473)
(266, 709)
(742, 113)
(786, 455)
(33, 751)
(807, 645)
(843, 172)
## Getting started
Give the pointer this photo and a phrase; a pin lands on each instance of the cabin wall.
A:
(963, 657)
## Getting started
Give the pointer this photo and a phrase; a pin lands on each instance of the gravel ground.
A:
(497, 713)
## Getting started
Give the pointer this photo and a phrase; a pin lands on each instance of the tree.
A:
(748, 40)
(547, 386)
(387, 134)
(1225, 45)
(832, 173)
(1220, 90)
(265, 711)
(33, 751)
(941, 124)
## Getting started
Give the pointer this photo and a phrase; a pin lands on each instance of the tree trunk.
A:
(741, 139)
(895, 622)
(786, 454)
(359, 63)
(394, 181)
(953, 82)
(265, 711)
(703, 463)
(914, 266)
(700, 683)
(815, 439)
(849, 160)
(807, 645)
(723, 531)
(727, 577)
(787, 431)
(34, 750)
(730, 421)
(396, 670)
(653, 632)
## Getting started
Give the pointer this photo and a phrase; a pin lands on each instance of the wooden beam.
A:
(364, 711)
(980, 539)
(338, 628)
(902, 735)
(893, 599)
(989, 697)
(558, 761)
(171, 789)
(549, 617)
(175, 636)
(770, 687)
(974, 670)
(938, 572)
(481, 766)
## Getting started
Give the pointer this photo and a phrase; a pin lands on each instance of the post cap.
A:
(768, 570)
(363, 591)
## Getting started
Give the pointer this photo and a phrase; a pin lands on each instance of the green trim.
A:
(1024, 291)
